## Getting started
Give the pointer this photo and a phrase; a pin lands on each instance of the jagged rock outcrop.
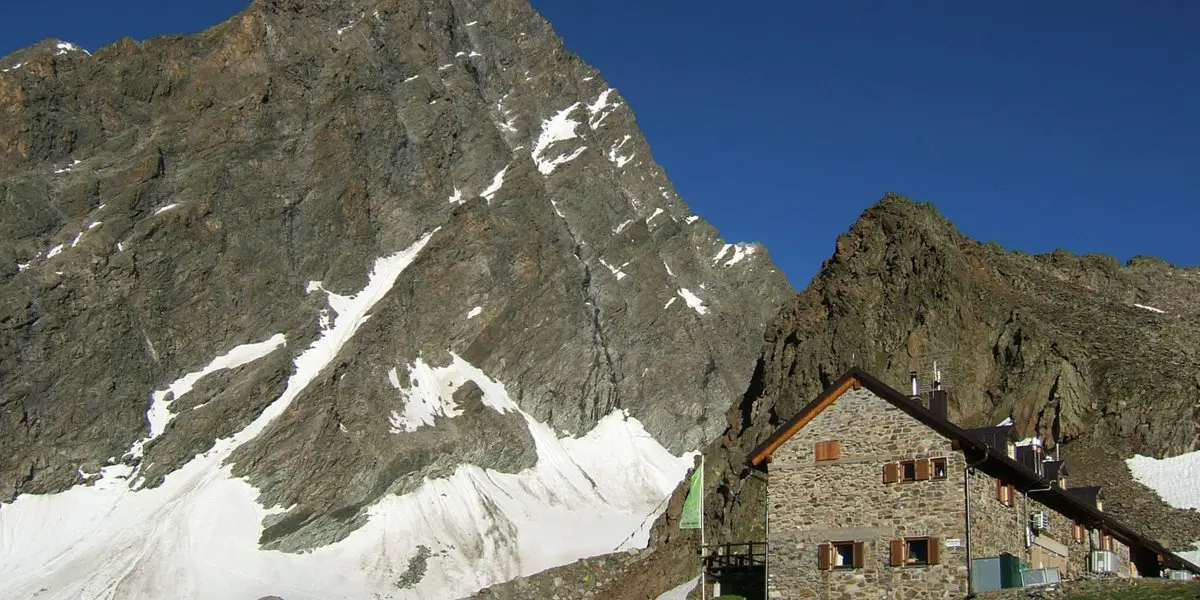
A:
(415, 188)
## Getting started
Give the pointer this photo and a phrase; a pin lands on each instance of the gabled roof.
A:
(981, 455)
(1088, 495)
(1055, 469)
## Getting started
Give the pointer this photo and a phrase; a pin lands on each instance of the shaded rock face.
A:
(163, 202)
(1057, 342)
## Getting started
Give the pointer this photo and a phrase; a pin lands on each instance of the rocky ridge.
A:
(177, 202)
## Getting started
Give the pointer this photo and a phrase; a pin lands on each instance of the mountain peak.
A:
(325, 265)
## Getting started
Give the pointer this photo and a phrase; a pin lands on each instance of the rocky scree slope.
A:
(183, 218)
(1099, 355)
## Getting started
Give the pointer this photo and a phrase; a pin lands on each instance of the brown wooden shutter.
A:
(924, 471)
(891, 473)
(934, 544)
(897, 553)
(824, 552)
(859, 557)
(834, 451)
(819, 452)
(999, 490)
(1012, 495)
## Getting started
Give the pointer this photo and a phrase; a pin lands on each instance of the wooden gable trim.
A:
(810, 412)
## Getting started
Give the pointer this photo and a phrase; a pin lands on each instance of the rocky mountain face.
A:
(1098, 355)
(392, 266)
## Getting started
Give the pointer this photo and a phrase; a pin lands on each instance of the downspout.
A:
(967, 513)
(766, 545)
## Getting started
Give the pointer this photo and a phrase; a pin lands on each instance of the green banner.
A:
(690, 519)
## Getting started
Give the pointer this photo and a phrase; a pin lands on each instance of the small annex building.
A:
(875, 494)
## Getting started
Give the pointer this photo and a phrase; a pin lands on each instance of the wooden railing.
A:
(744, 555)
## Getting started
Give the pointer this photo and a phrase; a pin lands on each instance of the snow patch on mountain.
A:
(616, 271)
(596, 110)
(681, 592)
(431, 393)
(494, 186)
(196, 536)
(159, 414)
(65, 47)
(1175, 479)
(558, 128)
(67, 169)
(740, 253)
(1151, 309)
(693, 301)
(614, 153)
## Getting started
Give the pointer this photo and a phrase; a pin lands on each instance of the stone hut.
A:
(875, 494)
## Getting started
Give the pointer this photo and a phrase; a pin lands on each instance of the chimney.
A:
(939, 404)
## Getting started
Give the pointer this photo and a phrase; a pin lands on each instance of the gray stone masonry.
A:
(846, 499)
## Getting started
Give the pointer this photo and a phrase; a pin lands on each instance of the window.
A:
(1078, 533)
(829, 450)
(1005, 493)
(915, 552)
(914, 470)
(939, 468)
(840, 555)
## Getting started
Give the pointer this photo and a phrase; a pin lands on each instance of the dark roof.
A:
(1055, 469)
(996, 437)
(993, 461)
(1088, 495)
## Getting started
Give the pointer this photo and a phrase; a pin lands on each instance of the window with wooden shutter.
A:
(1005, 493)
(1077, 533)
(938, 467)
(828, 450)
(1012, 495)
(824, 556)
(891, 473)
(923, 470)
(934, 543)
(897, 553)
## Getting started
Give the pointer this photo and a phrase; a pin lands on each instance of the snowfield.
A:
(1176, 480)
(196, 535)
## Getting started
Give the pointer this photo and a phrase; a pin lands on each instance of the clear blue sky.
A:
(1040, 125)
